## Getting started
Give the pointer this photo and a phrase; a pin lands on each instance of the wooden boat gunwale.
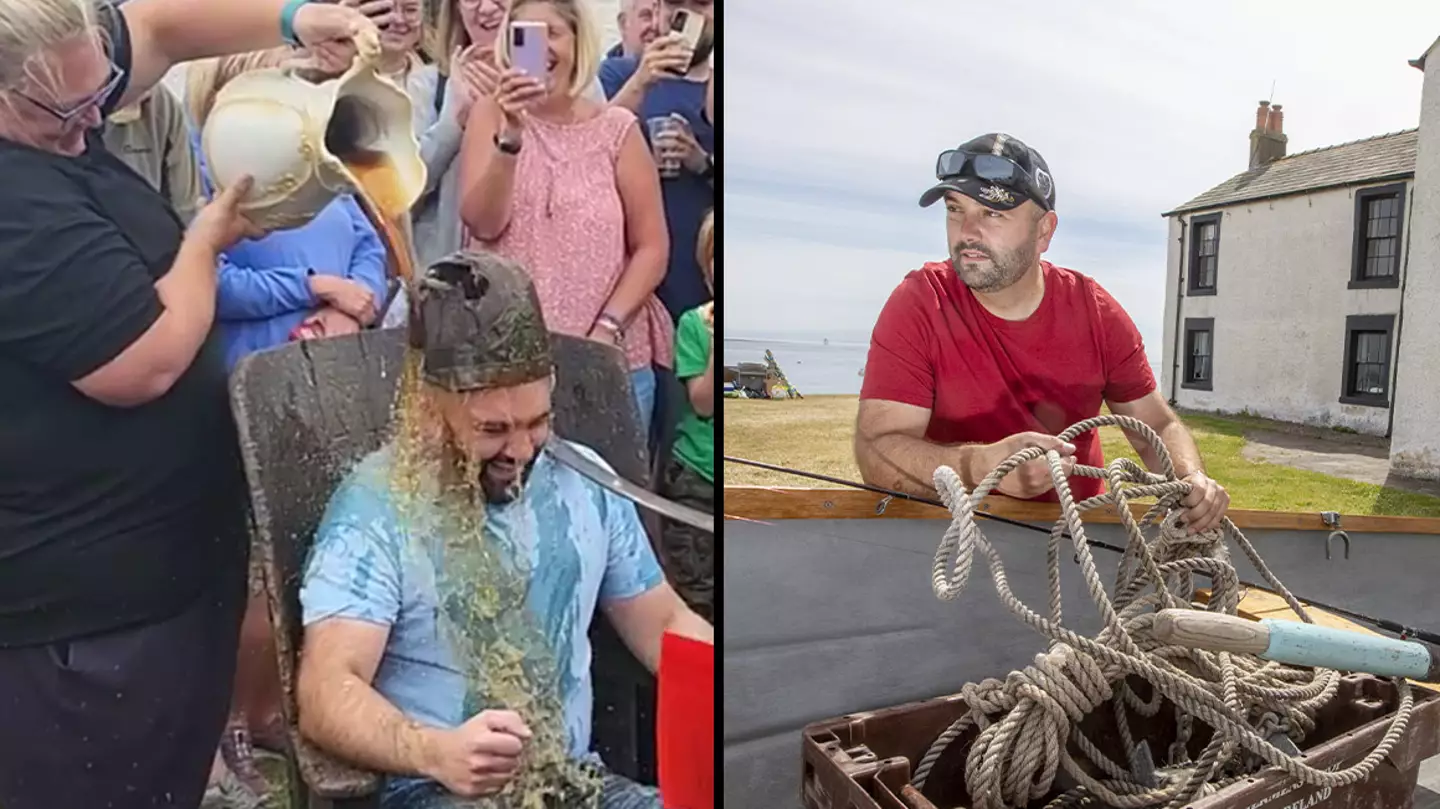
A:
(796, 505)
(808, 502)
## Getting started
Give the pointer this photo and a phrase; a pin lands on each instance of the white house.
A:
(1305, 288)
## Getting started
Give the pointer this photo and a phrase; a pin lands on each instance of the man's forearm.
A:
(352, 721)
(907, 464)
(683, 622)
(1183, 452)
(632, 94)
(1184, 455)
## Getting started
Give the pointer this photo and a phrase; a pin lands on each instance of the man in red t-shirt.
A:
(990, 352)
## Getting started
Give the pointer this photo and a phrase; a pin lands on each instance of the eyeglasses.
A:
(996, 169)
(96, 99)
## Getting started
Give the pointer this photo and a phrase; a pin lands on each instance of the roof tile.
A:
(1360, 161)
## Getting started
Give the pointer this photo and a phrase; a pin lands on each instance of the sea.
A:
(817, 362)
(814, 362)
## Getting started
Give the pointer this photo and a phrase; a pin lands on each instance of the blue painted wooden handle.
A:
(1310, 645)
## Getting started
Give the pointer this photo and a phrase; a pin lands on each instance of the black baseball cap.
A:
(996, 170)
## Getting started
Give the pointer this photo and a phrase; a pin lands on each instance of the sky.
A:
(834, 114)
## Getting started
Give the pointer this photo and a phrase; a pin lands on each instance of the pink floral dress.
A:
(567, 227)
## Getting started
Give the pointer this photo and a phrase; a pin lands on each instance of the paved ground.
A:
(1355, 457)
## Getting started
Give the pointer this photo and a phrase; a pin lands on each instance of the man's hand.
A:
(680, 143)
(479, 757)
(350, 297)
(1029, 479)
(219, 223)
(666, 55)
(1206, 503)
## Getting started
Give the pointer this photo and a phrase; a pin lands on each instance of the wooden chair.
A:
(308, 411)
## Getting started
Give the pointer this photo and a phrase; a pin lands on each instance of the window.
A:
(1367, 360)
(1204, 253)
(1199, 353)
(1379, 221)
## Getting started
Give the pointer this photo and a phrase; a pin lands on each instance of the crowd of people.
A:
(131, 286)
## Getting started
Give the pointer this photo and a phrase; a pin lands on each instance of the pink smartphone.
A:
(528, 47)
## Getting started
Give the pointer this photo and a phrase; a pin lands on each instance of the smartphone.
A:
(688, 25)
(528, 47)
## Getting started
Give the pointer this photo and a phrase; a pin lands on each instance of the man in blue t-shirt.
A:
(456, 572)
(668, 79)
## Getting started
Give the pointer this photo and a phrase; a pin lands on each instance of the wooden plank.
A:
(1259, 604)
(776, 503)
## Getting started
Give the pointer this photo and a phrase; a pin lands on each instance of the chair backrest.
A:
(309, 411)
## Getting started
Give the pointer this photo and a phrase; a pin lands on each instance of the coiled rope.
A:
(1027, 724)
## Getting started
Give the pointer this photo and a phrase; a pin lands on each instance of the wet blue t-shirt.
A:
(583, 546)
(687, 197)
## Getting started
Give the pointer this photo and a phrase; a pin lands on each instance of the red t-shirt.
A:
(983, 378)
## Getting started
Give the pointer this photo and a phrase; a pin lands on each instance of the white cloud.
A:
(834, 114)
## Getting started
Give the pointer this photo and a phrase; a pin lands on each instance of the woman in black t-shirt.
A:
(122, 535)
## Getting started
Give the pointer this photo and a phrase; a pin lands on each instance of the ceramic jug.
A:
(306, 142)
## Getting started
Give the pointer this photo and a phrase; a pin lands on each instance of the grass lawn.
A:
(814, 435)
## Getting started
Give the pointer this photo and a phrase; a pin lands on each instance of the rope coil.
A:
(1027, 724)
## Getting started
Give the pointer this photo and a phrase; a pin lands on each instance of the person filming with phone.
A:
(995, 350)
(666, 87)
(564, 185)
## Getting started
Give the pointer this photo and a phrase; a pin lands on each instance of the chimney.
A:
(1267, 140)
(1277, 121)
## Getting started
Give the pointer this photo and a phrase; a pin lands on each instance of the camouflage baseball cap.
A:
(476, 318)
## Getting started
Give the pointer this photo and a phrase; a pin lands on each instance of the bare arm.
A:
(642, 622)
(164, 33)
(342, 712)
(702, 389)
(646, 235)
(149, 367)
(1206, 503)
(1156, 412)
(891, 450)
(487, 175)
(632, 94)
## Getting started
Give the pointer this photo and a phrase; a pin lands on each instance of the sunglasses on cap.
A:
(67, 114)
(995, 169)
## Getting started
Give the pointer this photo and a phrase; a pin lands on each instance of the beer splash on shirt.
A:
(483, 585)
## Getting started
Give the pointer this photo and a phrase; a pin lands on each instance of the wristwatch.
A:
(709, 172)
(510, 147)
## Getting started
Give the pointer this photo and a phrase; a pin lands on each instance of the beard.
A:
(502, 478)
(1000, 269)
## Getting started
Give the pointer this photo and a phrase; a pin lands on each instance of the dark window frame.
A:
(1363, 196)
(1355, 324)
(1193, 287)
(1195, 325)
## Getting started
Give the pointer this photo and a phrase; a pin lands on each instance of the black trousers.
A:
(124, 720)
